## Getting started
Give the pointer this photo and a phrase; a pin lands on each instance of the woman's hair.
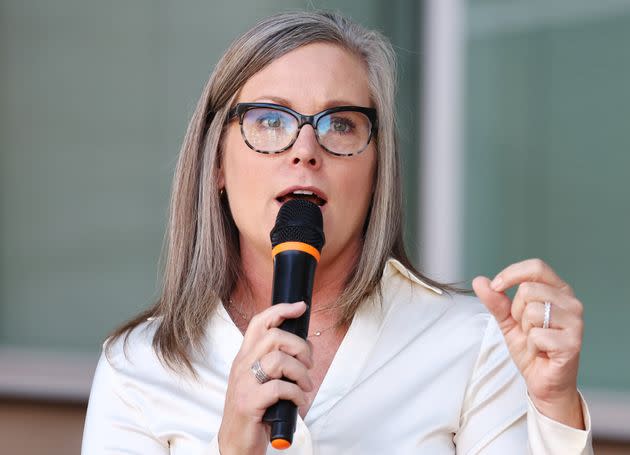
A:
(202, 262)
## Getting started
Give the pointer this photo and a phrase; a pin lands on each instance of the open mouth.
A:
(302, 194)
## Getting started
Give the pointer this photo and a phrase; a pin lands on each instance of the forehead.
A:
(311, 78)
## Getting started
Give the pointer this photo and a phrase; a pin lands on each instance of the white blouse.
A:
(421, 373)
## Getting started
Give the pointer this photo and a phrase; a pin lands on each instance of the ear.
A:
(220, 166)
(221, 179)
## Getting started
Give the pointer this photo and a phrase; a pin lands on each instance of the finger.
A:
(280, 340)
(277, 389)
(554, 342)
(274, 316)
(497, 303)
(541, 292)
(528, 270)
(534, 315)
(277, 365)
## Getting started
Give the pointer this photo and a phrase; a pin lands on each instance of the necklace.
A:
(319, 332)
(246, 319)
(239, 311)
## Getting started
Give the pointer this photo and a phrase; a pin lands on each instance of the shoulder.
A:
(133, 350)
(404, 291)
(130, 365)
(411, 305)
(441, 334)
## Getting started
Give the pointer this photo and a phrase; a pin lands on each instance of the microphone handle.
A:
(293, 276)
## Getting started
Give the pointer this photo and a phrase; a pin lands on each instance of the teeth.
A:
(297, 193)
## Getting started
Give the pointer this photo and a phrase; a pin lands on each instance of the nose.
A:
(306, 150)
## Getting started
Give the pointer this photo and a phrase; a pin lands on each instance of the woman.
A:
(393, 363)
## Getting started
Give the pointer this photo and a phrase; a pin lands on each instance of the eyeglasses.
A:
(272, 128)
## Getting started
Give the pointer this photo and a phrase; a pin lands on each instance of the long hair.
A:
(202, 263)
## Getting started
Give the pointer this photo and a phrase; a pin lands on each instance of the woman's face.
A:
(308, 80)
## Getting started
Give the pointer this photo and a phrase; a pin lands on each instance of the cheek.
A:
(239, 170)
(360, 184)
(355, 193)
(246, 179)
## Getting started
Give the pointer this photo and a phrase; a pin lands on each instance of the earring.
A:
(221, 192)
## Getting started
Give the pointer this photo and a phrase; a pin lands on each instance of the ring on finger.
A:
(259, 373)
(547, 316)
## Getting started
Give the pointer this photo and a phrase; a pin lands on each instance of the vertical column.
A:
(440, 186)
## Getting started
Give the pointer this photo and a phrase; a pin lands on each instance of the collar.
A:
(395, 266)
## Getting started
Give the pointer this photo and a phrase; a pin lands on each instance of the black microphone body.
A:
(294, 272)
(297, 239)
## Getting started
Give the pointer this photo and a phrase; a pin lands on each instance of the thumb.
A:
(497, 303)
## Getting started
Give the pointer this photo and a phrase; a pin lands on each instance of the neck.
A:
(253, 289)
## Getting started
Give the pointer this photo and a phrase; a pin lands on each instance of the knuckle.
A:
(568, 289)
(538, 265)
(275, 361)
(299, 397)
(525, 289)
(275, 334)
(535, 334)
(305, 347)
(579, 307)
(579, 327)
(256, 320)
(538, 268)
(276, 388)
(514, 313)
(529, 312)
(532, 340)
(576, 344)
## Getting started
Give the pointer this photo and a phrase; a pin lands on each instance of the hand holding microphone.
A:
(276, 340)
(297, 240)
(281, 354)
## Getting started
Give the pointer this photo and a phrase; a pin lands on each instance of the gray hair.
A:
(202, 263)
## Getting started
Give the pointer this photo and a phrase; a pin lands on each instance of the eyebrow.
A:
(287, 103)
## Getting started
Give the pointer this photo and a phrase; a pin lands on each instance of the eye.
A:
(341, 125)
(269, 120)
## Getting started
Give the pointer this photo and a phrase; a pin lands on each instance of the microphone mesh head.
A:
(299, 221)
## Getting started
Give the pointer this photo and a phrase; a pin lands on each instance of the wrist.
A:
(236, 442)
(565, 408)
(224, 447)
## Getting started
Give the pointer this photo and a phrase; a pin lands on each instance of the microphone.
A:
(297, 240)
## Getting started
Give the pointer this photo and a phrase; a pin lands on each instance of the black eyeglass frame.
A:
(240, 109)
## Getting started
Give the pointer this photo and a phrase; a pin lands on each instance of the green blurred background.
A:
(547, 158)
(95, 97)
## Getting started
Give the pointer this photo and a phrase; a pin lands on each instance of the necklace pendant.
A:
(318, 333)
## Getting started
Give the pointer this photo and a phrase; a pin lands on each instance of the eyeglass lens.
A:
(271, 130)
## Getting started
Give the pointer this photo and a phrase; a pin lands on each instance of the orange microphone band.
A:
(293, 246)
(280, 444)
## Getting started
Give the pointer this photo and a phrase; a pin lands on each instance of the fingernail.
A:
(497, 284)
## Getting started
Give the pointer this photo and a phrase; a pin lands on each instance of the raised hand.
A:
(547, 357)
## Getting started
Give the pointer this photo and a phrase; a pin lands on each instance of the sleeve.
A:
(498, 417)
(549, 436)
(113, 425)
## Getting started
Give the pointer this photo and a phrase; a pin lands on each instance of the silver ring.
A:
(259, 373)
(547, 318)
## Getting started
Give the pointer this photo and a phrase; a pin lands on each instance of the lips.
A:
(310, 194)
